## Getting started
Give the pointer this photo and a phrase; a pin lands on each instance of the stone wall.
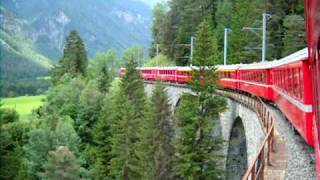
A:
(252, 128)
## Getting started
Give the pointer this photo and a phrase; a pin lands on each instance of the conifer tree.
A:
(130, 113)
(196, 146)
(74, 61)
(61, 165)
(294, 32)
(156, 151)
(102, 133)
(242, 43)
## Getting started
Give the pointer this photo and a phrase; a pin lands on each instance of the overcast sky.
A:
(151, 3)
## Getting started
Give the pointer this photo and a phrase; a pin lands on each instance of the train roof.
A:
(294, 57)
(297, 56)
(260, 65)
(228, 67)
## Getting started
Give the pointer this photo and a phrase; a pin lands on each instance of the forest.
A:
(176, 21)
(96, 125)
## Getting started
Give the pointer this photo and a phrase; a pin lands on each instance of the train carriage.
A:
(149, 73)
(229, 76)
(292, 91)
(312, 14)
(183, 74)
(166, 74)
(256, 79)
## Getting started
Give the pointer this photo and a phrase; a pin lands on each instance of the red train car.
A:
(149, 73)
(183, 74)
(167, 74)
(293, 92)
(312, 14)
(256, 79)
(229, 76)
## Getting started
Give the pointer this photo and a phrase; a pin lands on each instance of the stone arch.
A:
(237, 156)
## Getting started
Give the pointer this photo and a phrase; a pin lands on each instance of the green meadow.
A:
(23, 104)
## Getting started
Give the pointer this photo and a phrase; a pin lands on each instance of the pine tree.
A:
(61, 165)
(197, 156)
(74, 61)
(294, 32)
(102, 133)
(223, 19)
(130, 113)
(155, 149)
(243, 44)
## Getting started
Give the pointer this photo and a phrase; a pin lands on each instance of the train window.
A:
(295, 83)
(301, 84)
(291, 82)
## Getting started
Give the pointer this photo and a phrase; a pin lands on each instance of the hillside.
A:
(102, 24)
(32, 34)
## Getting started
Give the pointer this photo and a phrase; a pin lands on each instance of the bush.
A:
(159, 61)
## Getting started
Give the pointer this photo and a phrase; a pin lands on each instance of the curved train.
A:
(292, 83)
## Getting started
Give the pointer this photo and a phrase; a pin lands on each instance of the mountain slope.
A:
(102, 24)
(18, 57)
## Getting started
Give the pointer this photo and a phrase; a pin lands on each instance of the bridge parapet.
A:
(256, 119)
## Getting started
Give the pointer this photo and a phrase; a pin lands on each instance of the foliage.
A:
(197, 148)
(135, 53)
(62, 165)
(63, 99)
(104, 67)
(74, 61)
(90, 103)
(176, 21)
(42, 140)
(13, 136)
(158, 22)
(243, 43)
(206, 49)
(159, 61)
(294, 32)
(22, 87)
(155, 147)
(130, 113)
(223, 19)
(8, 115)
(102, 132)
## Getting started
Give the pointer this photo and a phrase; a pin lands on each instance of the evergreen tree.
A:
(159, 13)
(135, 53)
(103, 69)
(243, 44)
(223, 19)
(130, 113)
(102, 133)
(90, 104)
(294, 32)
(74, 61)
(156, 149)
(42, 140)
(61, 165)
(196, 147)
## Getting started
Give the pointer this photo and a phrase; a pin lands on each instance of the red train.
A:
(292, 83)
(312, 15)
(286, 82)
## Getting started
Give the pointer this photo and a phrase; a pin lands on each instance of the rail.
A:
(263, 157)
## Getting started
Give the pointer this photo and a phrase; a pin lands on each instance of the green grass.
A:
(23, 104)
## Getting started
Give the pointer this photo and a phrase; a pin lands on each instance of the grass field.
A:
(23, 104)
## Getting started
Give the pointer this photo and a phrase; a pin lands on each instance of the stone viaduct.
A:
(239, 127)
